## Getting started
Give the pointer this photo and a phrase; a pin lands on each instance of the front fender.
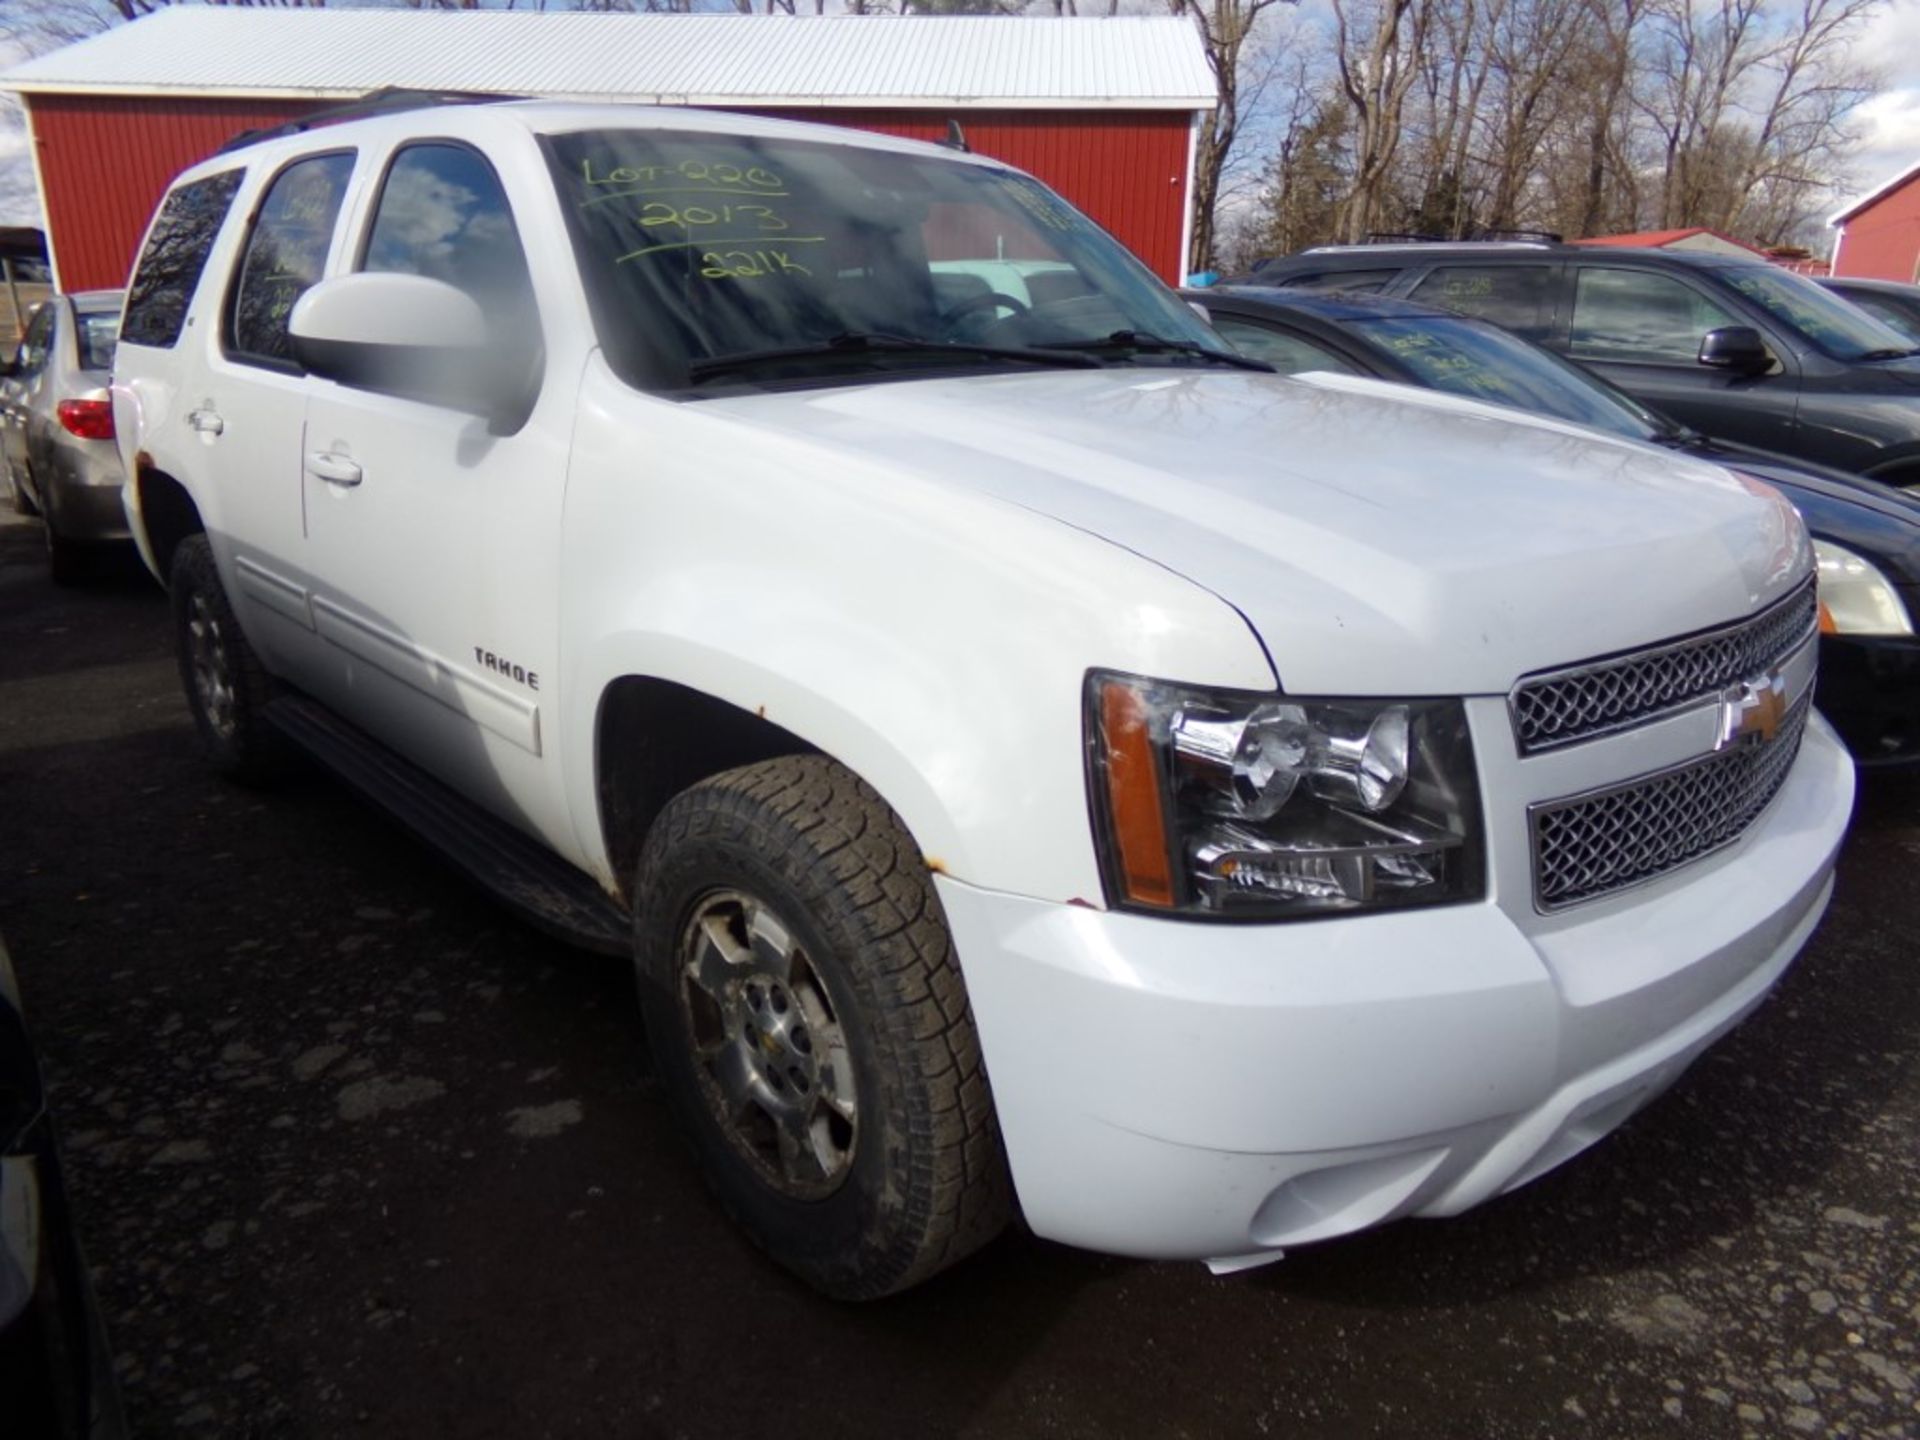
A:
(934, 640)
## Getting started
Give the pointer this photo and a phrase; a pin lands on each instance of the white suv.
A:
(1029, 753)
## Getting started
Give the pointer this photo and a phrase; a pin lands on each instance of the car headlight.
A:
(1229, 805)
(1855, 598)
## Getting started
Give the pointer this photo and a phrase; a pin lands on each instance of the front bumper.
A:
(1218, 1092)
(1870, 690)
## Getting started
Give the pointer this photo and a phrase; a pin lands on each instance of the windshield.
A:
(1834, 326)
(1468, 357)
(700, 248)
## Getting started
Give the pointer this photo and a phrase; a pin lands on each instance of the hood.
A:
(1379, 539)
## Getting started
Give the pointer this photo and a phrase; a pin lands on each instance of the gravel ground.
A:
(355, 1153)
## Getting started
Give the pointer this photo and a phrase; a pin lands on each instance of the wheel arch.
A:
(165, 514)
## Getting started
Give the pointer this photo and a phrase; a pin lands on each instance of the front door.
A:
(1642, 330)
(434, 542)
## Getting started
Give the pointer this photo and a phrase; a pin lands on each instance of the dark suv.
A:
(1737, 349)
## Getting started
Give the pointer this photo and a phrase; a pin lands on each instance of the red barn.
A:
(1880, 232)
(1104, 110)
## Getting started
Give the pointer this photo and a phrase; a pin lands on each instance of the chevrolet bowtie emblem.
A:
(1752, 711)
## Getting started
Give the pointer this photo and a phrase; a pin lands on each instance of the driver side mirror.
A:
(1738, 348)
(410, 336)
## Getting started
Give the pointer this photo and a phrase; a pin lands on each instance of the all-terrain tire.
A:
(227, 688)
(924, 1181)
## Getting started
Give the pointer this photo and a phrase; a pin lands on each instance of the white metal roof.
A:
(1879, 192)
(1131, 62)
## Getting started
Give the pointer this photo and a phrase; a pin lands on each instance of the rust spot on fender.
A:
(761, 711)
(936, 865)
(142, 460)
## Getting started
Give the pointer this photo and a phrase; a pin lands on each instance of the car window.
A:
(1511, 296)
(1834, 326)
(1364, 282)
(1641, 315)
(175, 254)
(1288, 353)
(442, 214)
(1888, 312)
(33, 348)
(94, 335)
(285, 254)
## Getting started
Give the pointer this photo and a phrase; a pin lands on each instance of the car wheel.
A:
(227, 690)
(807, 1017)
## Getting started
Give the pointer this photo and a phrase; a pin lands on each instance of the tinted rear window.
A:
(176, 253)
(1364, 282)
(94, 336)
(1511, 296)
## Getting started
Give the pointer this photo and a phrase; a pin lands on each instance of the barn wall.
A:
(106, 161)
(1125, 168)
(1882, 242)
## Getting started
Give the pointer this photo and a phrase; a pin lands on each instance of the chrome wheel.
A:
(211, 664)
(772, 1057)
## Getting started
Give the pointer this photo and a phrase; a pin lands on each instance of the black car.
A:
(1734, 348)
(1866, 535)
(56, 1375)
(1888, 300)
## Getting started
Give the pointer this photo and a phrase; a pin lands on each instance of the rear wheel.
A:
(227, 690)
(808, 1020)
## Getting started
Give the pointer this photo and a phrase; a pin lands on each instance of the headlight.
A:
(1856, 597)
(1225, 804)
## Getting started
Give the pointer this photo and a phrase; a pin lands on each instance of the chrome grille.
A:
(1609, 839)
(1604, 695)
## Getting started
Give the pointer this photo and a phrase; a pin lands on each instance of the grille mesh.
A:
(1574, 704)
(1587, 846)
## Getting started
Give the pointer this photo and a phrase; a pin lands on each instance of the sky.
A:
(1890, 121)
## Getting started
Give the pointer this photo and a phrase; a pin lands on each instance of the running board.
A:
(522, 874)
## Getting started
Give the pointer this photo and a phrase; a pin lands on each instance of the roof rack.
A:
(1477, 237)
(390, 100)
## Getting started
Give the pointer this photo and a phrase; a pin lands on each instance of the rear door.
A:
(248, 406)
(1642, 328)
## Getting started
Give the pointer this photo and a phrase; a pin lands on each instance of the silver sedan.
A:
(56, 426)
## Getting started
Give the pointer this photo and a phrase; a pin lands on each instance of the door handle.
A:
(206, 422)
(334, 469)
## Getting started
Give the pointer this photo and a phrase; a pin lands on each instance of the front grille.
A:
(1609, 839)
(1604, 695)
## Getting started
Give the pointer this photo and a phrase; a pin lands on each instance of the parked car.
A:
(56, 1369)
(1895, 305)
(1036, 753)
(56, 427)
(1740, 350)
(1866, 536)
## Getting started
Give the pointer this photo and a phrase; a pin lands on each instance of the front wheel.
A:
(808, 1020)
(227, 689)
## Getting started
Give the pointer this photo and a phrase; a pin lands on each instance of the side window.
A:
(285, 254)
(33, 349)
(175, 254)
(442, 214)
(1640, 315)
(1289, 354)
(1510, 296)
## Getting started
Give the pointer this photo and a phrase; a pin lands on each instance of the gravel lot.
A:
(355, 1153)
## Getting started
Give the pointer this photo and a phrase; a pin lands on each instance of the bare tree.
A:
(1376, 43)
(1226, 29)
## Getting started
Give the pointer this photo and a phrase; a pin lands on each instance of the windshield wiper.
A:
(1140, 342)
(1888, 354)
(874, 342)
